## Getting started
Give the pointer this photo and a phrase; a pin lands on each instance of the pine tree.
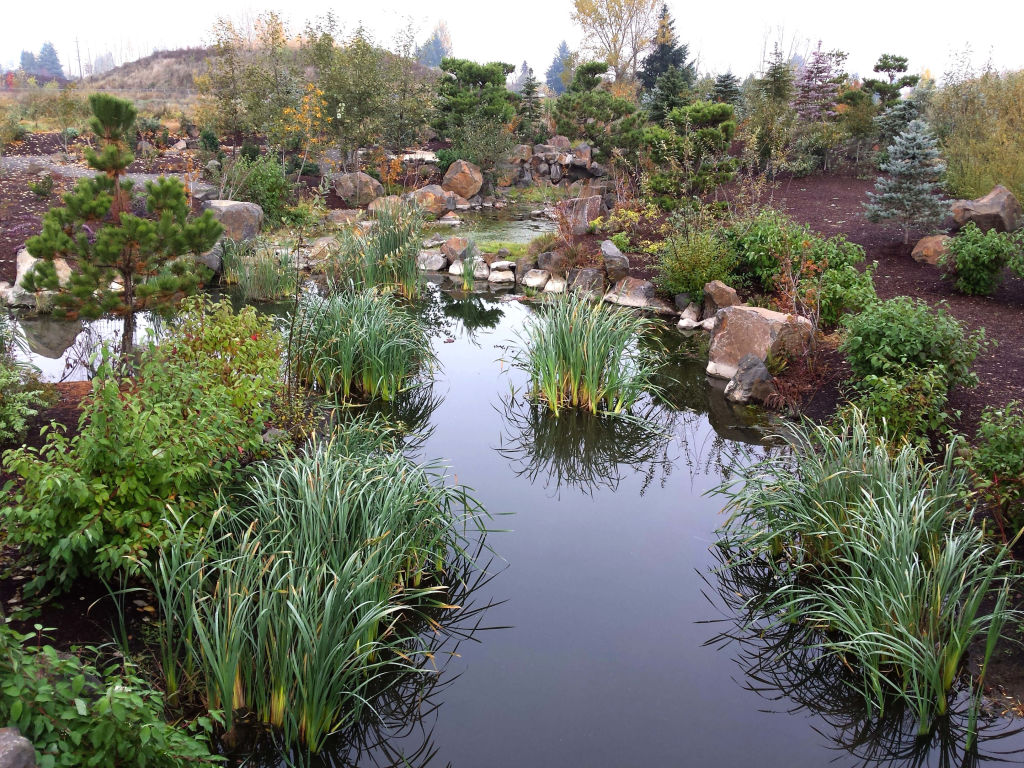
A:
(895, 119)
(28, 63)
(108, 245)
(436, 47)
(672, 90)
(727, 89)
(668, 54)
(817, 88)
(517, 84)
(48, 63)
(888, 91)
(554, 76)
(529, 104)
(909, 194)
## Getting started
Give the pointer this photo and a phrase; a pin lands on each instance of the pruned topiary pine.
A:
(909, 194)
(121, 263)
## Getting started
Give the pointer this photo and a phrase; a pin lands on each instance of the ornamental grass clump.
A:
(581, 354)
(309, 598)
(877, 555)
(358, 345)
(386, 254)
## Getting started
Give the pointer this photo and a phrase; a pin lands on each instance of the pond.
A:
(596, 638)
(511, 225)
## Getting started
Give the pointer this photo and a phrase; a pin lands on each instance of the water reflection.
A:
(785, 665)
(474, 312)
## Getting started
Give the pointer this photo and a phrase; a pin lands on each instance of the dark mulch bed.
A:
(21, 215)
(41, 143)
(832, 205)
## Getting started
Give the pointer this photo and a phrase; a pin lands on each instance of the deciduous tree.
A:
(618, 31)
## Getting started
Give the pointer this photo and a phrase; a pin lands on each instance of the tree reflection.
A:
(784, 663)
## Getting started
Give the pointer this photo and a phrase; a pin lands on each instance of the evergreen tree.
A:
(436, 47)
(668, 54)
(727, 89)
(123, 263)
(909, 194)
(817, 88)
(48, 63)
(553, 77)
(470, 90)
(672, 90)
(895, 119)
(28, 63)
(587, 76)
(529, 107)
(517, 84)
(888, 90)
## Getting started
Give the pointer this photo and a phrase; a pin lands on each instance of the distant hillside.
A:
(169, 71)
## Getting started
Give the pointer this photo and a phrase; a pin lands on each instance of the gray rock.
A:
(616, 265)
(213, 259)
(588, 280)
(555, 284)
(740, 331)
(356, 188)
(202, 191)
(751, 383)
(681, 300)
(501, 276)
(998, 210)
(631, 292)
(581, 211)
(689, 324)
(554, 262)
(15, 750)
(718, 295)
(536, 278)
(432, 261)
(481, 271)
(241, 221)
(503, 264)
(555, 170)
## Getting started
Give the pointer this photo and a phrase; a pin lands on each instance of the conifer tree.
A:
(888, 90)
(727, 89)
(672, 90)
(554, 77)
(668, 54)
(436, 47)
(909, 194)
(817, 88)
(529, 103)
(895, 119)
(47, 62)
(123, 263)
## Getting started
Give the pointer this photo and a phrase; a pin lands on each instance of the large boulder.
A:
(581, 211)
(241, 221)
(342, 217)
(559, 142)
(521, 153)
(739, 331)
(432, 199)
(930, 249)
(634, 292)
(432, 261)
(357, 188)
(15, 750)
(718, 295)
(501, 276)
(998, 210)
(456, 248)
(616, 265)
(536, 279)
(17, 296)
(388, 201)
(463, 178)
(588, 281)
(752, 383)
(555, 284)
(554, 262)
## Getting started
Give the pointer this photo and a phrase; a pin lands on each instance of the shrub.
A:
(760, 242)
(877, 557)
(579, 354)
(621, 241)
(296, 165)
(385, 256)
(21, 392)
(975, 259)
(996, 462)
(43, 187)
(346, 554)
(445, 157)
(901, 336)
(249, 152)
(908, 408)
(262, 181)
(208, 141)
(77, 715)
(689, 261)
(358, 345)
(96, 503)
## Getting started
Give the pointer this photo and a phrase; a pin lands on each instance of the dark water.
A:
(596, 648)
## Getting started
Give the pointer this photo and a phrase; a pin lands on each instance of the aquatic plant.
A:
(386, 254)
(260, 271)
(307, 599)
(877, 552)
(582, 354)
(358, 345)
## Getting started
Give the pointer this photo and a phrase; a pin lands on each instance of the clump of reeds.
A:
(581, 354)
(358, 345)
(308, 598)
(260, 272)
(877, 553)
(386, 254)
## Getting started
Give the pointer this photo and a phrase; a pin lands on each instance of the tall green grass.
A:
(258, 270)
(386, 254)
(306, 599)
(584, 355)
(877, 553)
(358, 345)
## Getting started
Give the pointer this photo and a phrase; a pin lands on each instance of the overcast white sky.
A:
(723, 35)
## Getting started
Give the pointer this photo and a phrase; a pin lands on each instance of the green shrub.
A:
(876, 557)
(249, 152)
(996, 462)
(96, 503)
(901, 336)
(845, 290)
(208, 141)
(445, 157)
(296, 165)
(21, 397)
(262, 181)
(689, 261)
(975, 259)
(908, 408)
(76, 715)
(621, 241)
(762, 242)
(43, 187)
